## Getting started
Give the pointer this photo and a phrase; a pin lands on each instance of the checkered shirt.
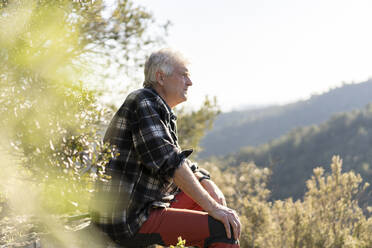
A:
(145, 134)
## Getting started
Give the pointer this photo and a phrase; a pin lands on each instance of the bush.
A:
(329, 215)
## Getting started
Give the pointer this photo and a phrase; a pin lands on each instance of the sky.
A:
(261, 52)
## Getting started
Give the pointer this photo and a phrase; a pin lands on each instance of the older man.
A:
(155, 193)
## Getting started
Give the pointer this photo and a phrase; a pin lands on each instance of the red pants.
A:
(184, 218)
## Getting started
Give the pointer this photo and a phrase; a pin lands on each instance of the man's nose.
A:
(189, 82)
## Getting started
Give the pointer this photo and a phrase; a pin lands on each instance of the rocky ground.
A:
(19, 231)
(25, 231)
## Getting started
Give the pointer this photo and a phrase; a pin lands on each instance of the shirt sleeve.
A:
(153, 141)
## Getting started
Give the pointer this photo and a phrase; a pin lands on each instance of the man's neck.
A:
(162, 94)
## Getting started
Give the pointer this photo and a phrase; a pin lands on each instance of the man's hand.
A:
(228, 217)
(186, 180)
(214, 191)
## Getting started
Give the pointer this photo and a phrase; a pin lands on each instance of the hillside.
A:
(293, 157)
(234, 130)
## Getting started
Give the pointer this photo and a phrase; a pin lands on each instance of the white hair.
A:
(163, 60)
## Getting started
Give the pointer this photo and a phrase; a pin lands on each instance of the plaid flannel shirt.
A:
(145, 134)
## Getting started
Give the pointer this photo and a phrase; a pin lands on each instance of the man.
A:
(155, 193)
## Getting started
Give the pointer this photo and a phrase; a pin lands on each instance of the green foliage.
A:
(181, 243)
(328, 216)
(51, 121)
(296, 154)
(245, 191)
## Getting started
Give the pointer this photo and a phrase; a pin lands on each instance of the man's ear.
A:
(159, 75)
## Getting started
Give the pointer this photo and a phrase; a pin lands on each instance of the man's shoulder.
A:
(141, 95)
(146, 101)
(142, 101)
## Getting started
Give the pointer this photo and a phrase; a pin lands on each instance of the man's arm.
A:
(203, 177)
(185, 179)
(214, 191)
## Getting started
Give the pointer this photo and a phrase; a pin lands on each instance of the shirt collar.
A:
(170, 111)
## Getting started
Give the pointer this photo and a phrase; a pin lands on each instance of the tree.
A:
(328, 216)
(51, 121)
(51, 148)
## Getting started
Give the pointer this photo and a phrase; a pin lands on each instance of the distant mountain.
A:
(293, 156)
(237, 129)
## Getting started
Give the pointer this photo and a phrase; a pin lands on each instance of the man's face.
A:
(176, 85)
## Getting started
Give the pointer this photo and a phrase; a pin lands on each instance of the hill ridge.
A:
(237, 129)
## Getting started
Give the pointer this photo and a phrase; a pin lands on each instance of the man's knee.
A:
(218, 233)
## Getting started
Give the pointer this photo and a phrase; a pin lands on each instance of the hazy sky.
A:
(251, 52)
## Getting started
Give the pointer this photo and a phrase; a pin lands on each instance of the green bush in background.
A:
(51, 117)
(328, 216)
